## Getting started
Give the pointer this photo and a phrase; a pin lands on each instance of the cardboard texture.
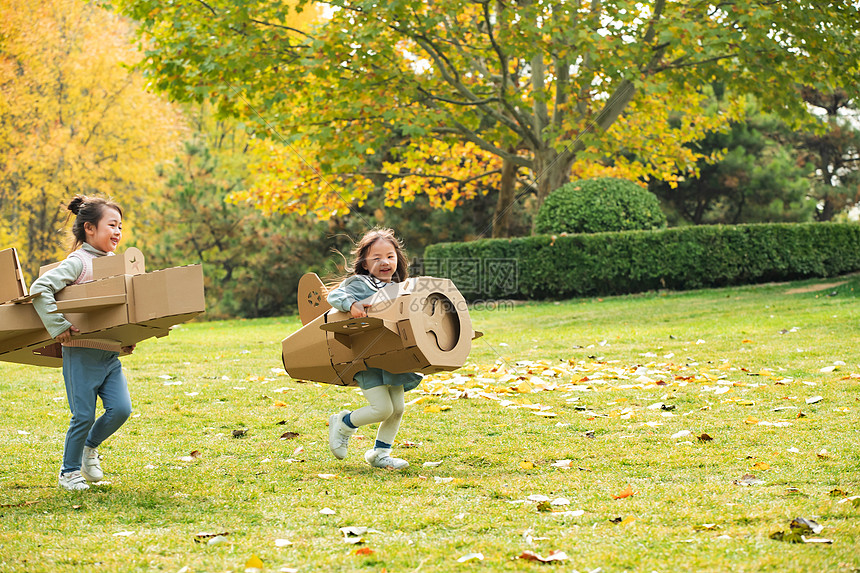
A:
(122, 303)
(11, 282)
(419, 325)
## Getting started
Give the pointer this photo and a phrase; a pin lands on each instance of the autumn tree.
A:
(380, 88)
(73, 119)
(253, 262)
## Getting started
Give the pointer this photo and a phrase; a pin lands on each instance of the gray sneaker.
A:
(339, 434)
(73, 481)
(90, 466)
(382, 459)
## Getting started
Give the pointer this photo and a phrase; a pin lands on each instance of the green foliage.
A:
(759, 179)
(599, 205)
(251, 263)
(636, 261)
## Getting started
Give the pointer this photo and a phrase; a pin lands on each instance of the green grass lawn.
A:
(563, 407)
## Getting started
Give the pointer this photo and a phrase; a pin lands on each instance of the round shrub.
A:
(598, 205)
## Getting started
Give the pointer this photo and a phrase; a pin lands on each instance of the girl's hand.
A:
(357, 310)
(128, 349)
(67, 335)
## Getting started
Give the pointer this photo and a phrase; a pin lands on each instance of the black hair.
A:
(88, 210)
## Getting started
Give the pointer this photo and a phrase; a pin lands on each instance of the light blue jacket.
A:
(354, 289)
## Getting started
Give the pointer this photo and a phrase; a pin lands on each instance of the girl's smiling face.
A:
(105, 236)
(381, 260)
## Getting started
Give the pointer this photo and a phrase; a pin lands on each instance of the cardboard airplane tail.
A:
(122, 303)
(419, 325)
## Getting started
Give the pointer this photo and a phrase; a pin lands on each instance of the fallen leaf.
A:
(627, 491)
(438, 479)
(836, 492)
(814, 399)
(435, 408)
(24, 504)
(289, 435)
(364, 551)
(526, 465)
(253, 565)
(471, 557)
(431, 464)
(544, 506)
(704, 438)
(751, 420)
(191, 457)
(283, 542)
(798, 530)
(326, 476)
(240, 432)
(749, 479)
(554, 555)
(681, 434)
(205, 536)
(327, 511)
(761, 466)
(823, 454)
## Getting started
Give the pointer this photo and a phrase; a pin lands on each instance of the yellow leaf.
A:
(253, 564)
(751, 420)
(627, 520)
(526, 465)
(761, 466)
(524, 387)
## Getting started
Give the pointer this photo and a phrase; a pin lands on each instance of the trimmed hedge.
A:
(599, 205)
(566, 266)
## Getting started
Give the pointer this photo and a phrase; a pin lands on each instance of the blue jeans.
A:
(90, 374)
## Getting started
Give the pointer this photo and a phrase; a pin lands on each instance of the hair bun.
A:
(76, 204)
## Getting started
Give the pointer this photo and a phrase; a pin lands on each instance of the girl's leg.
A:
(378, 409)
(380, 455)
(341, 426)
(117, 404)
(83, 374)
(388, 428)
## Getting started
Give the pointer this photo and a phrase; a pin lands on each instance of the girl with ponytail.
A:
(91, 368)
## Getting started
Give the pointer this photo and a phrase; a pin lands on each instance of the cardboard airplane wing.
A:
(419, 325)
(122, 303)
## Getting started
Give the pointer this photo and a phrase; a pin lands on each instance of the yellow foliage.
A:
(75, 120)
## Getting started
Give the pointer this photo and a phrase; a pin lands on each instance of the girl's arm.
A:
(346, 297)
(49, 285)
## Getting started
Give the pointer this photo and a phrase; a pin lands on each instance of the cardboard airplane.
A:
(122, 302)
(419, 325)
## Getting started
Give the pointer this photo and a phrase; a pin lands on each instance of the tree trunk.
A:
(550, 172)
(502, 218)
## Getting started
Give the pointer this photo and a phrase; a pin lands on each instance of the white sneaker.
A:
(382, 459)
(90, 466)
(73, 481)
(339, 434)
